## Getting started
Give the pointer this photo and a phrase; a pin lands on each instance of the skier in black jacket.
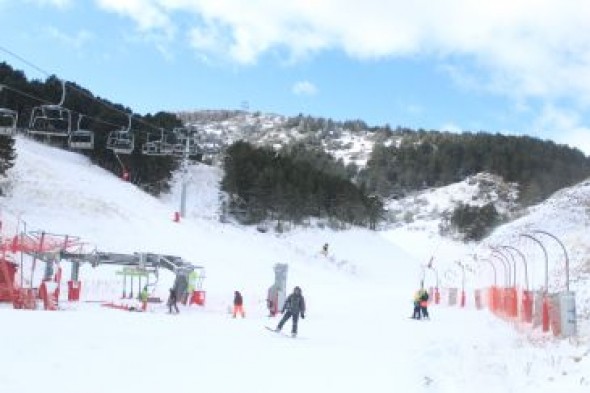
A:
(293, 307)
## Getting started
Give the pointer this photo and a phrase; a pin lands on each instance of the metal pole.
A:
(436, 275)
(506, 276)
(510, 267)
(567, 261)
(22, 272)
(546, 258)
(184, 170)
(513, 264)
(183, 199)
(462, 303)
(493, 268)
(526, 270)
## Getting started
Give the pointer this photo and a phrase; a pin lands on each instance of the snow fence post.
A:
(545, 312)
(527, 306)
(74, 288)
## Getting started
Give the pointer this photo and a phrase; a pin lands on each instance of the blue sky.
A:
(453, 65)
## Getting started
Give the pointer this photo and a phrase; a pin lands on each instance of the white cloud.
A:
(75, 41)
(55, 3)
(304, 88)
(150, 16)
(527, 48)
(565, 127)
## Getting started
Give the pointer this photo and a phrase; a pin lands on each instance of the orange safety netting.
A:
(47, 243)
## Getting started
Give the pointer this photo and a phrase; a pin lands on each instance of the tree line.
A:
(291, 185)
(432, 159)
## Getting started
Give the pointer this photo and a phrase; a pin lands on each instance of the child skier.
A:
(238, 304)
(143, 296)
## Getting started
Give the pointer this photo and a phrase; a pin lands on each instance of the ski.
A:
(281, 333)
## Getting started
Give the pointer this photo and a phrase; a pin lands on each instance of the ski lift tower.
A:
(190, 149)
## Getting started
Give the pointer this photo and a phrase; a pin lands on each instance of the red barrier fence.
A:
(555, 312)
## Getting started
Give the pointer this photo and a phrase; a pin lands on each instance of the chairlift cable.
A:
(127, 141)
(2, 48)
(11, 53)
(44, 101)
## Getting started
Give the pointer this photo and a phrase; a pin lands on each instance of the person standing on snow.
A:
(238, 304)
(325, 250)
(424, 303)
(143, 296)
(293, 307)
(172, 301)
(416, 314)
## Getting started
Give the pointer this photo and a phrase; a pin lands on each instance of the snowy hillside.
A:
(426, 209)
(356, 335)
(566, 215)
(217, 129)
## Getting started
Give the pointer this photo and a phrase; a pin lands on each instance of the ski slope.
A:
(356, 335)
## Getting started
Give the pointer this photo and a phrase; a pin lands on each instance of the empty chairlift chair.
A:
(158, 147)
(185, 143)
(121, 141)
(81, 139)
(8, 121)
(51, 120)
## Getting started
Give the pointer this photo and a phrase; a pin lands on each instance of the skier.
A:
(172, 301)
(424, 303)
(238, 304)
(325, 250)
(143, 296)
(293, 307)
(416, 314)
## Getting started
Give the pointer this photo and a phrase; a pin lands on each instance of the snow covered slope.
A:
(356, 335)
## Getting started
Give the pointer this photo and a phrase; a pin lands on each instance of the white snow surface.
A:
(356, 336)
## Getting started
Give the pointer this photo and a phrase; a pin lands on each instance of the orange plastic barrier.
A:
(198, 298)
(527, 306)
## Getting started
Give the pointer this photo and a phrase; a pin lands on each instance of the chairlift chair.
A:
(160, 147)
(50, 120)
(185, 143)
(8, 121)
(149, 149)
(121, 142)
(81, 139)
